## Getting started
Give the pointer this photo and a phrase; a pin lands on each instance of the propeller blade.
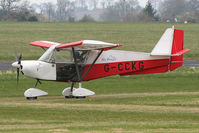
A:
(16, 56)
(17, 75)
(20, 57)
(19, 62)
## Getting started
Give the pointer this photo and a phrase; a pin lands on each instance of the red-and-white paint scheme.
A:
(93, 59)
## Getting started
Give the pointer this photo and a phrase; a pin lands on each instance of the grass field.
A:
(158, 103)
(133, 36)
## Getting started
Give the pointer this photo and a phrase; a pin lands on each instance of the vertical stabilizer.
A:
(164, 45)
(171, 45)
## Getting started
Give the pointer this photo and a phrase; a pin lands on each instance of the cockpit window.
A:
(64, 56)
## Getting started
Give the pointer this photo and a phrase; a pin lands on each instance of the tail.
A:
(171, 45)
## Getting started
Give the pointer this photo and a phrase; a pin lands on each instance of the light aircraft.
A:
(88, 59)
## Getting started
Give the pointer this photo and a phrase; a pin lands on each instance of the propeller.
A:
(18, 65)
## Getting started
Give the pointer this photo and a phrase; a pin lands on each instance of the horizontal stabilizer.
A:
(181, 52)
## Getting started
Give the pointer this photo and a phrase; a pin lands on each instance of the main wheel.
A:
(31, 98)
(69, 97)
(82, 97)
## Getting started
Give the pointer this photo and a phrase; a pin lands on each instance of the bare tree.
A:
(103, 4)
(94, 3)
(65, 9)
(193, 11)
(193, 5)
(110, 14)
(82, 4)
(170, 9)
(49, 10)
(26, 7)
(133, 3)
(120, 10)
(109, 3)
(8, 5)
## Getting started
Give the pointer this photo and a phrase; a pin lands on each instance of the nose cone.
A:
(15, 65)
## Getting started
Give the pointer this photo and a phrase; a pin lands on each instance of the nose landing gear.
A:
(33, 93)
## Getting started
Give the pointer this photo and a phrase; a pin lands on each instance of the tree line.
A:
(101, 10)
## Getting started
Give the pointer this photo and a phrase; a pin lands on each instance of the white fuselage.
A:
(39, 70)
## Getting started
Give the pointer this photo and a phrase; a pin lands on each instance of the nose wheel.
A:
(80, 92)
(33, 93)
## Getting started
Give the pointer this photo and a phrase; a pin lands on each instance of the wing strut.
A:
(88, 92)
(92, 64)
(77, 68)
(76, 64)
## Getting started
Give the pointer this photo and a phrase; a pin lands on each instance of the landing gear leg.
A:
(71, 91)
(80, 86)
(80, 92)
(38, 81)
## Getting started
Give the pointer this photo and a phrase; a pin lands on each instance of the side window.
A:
(81, 56)
(64, 56)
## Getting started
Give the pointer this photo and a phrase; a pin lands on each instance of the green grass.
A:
(163, 103)
(133, 36)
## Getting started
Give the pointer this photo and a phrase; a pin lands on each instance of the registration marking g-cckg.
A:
(125, 66)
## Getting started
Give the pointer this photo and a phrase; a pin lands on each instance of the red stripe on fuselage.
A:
(125, 68)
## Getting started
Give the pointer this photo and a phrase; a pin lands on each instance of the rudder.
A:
(177, 46)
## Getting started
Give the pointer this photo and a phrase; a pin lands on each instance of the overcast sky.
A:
(142, 2)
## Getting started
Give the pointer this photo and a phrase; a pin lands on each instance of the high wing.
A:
(80, 45)
(44, 44)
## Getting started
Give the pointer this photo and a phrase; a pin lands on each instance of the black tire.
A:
(69, 97)
(31, 98)
(82, 97)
